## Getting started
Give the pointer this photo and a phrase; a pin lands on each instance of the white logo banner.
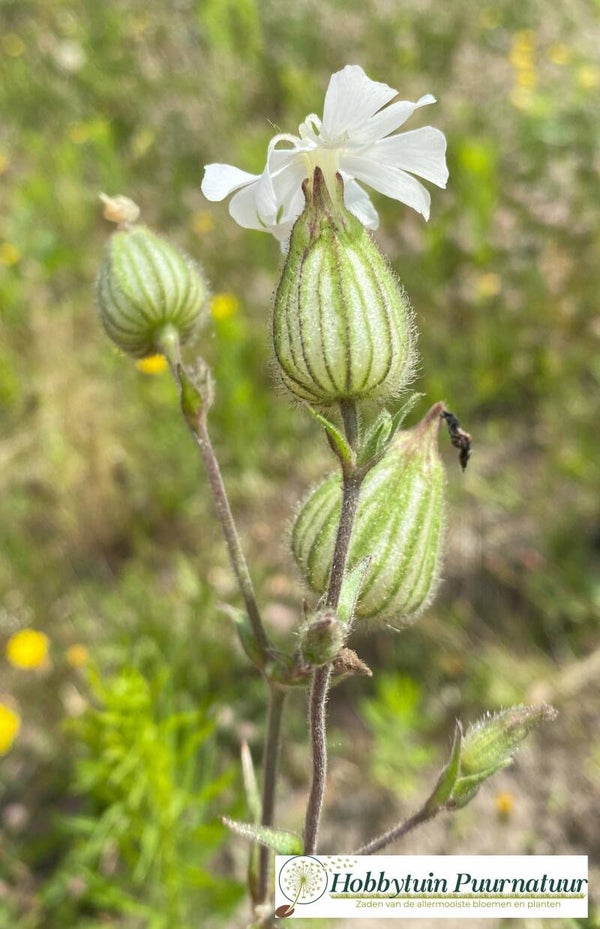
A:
(431, 886)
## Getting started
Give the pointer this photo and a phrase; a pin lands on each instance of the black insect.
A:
(459, 438)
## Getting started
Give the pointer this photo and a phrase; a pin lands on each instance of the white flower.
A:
(353, 138)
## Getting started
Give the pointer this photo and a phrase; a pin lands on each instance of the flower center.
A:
(328, 160)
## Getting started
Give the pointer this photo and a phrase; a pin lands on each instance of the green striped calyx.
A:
(398, 527)
(146, 288)
(489, 745)
(342, 325)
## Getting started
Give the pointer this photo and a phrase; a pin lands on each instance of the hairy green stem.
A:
(317, 714)
(397, 832)
(199, 429)
(269, 772)
(169, 344)
(234, 546)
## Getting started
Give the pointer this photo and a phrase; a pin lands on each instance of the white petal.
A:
(243, 208)
(282, 233)
(388, 120)
(288, 188)
(389, 181)
(221, 180)
(358, 202)
(422, 152)
(279, 196)
(350, 100)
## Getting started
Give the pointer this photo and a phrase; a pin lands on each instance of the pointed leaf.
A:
(376, 437)
(250, 784)
(245, 633)
(465, 788)
(447, 779)
(351, 589)
(400, 415)
(192, 403)
(280, 840)
(335, 438)
(384, 429)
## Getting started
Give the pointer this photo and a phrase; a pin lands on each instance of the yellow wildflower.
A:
(521, 54)
(489, 284)
(224, 305)
(588, 77)
(526, 77)
(152, 364)
(202, 222)
(9, 254)
(27, 649)
(77, 656)
(10, 723)
(13, 45)
(505, 803)
(559, 54)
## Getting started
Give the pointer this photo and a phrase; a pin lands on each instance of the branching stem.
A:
(195, 414)
(317, 716)
(397, 832)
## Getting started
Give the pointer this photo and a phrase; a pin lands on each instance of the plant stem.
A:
(397, 832)
(234, 547)
(350, 420)
(318, 739)
(317, 716)
(269, 772)
(350, 494)
(195, 407)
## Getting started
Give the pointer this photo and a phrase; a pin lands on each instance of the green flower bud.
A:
(342, 325)
(147, 288)
(399, 526)
(321, 638)
(489, 745)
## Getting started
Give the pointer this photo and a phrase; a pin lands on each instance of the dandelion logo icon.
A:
(302, 880)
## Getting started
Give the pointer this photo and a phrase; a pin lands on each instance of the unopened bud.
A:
(398, 527)
(489, 745)
(342, 323)
(146, 290)
(491, 742)
(321, 638)
(120, 210)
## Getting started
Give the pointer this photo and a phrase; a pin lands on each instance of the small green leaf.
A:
(335, 438)
(280, 840)
(192, 402)
(449, 774)
(245, 633)
(376, 437)
(400, 415)
(250, 784)
(384, 429)
(465, 788)
(351, 589)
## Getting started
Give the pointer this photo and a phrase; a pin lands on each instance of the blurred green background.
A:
(127, 751)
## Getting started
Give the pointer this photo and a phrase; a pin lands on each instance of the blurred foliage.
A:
(105, 527)
(152, 777)
(400, 726)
